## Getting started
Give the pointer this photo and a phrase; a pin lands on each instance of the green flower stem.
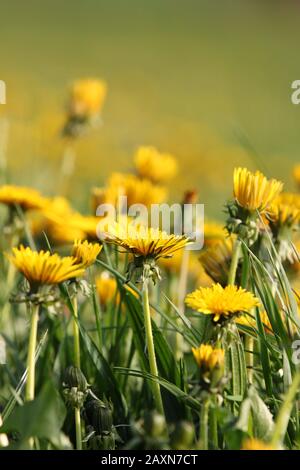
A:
(234, 262)
(283, 416)
(182, 286)
(78, 429)
(98, 316)
(76, 334)
(249, 346)
(30, 382)
(204, 423)
(213, 424)
(150, 346)
(76, 339)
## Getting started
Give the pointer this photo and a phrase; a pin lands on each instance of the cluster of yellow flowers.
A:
(42, 267)
(217, 284)
(141, 188)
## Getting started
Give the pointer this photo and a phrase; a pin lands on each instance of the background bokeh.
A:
(207, 80)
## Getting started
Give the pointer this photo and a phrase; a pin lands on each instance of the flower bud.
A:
(154, 424)
(75, 386)
(183, 436)
(99, 415)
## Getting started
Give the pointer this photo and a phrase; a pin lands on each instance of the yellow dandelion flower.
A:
(217, 258)
(106, 195)
(296, 174)
(57, 210)
(250, 321)
(253, 191)
(107, 287)
(87, 97)
(208, 358)
(214, 232)
(221, 302)
(154, 165)
(40, 267)
(285, 209)
(137, 190)
(256, 444)
(75, 226)
(203, 279)
(26, 198)
(143, 241)
(86, 253)
(173, 265)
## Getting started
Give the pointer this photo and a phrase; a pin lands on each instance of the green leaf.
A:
(42, 418)
(263, 423)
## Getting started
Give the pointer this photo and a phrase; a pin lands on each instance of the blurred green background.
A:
(209, 81)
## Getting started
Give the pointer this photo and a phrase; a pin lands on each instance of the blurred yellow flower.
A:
(296, 174)
(58, 209)
(106, 286)
(44, 268)
(26, 198)
(173, 265)
(256, 444)
(253, 191)
(75, 226)
(221, 302)
(250, 321)
(87, 97)
(137, 190)
(214, 232)
(203, 279)
(107, 289)
(106, 195)
(285, 209)
(154, 165)
(86, 253)
(208, 358)
(143, 241)
(217, 258)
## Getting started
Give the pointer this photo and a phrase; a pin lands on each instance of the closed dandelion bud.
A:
(99, 415)
(75, 386)
(154, 424)
(183, 436)
(73, 377)
(105, 441)
(190, 197)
